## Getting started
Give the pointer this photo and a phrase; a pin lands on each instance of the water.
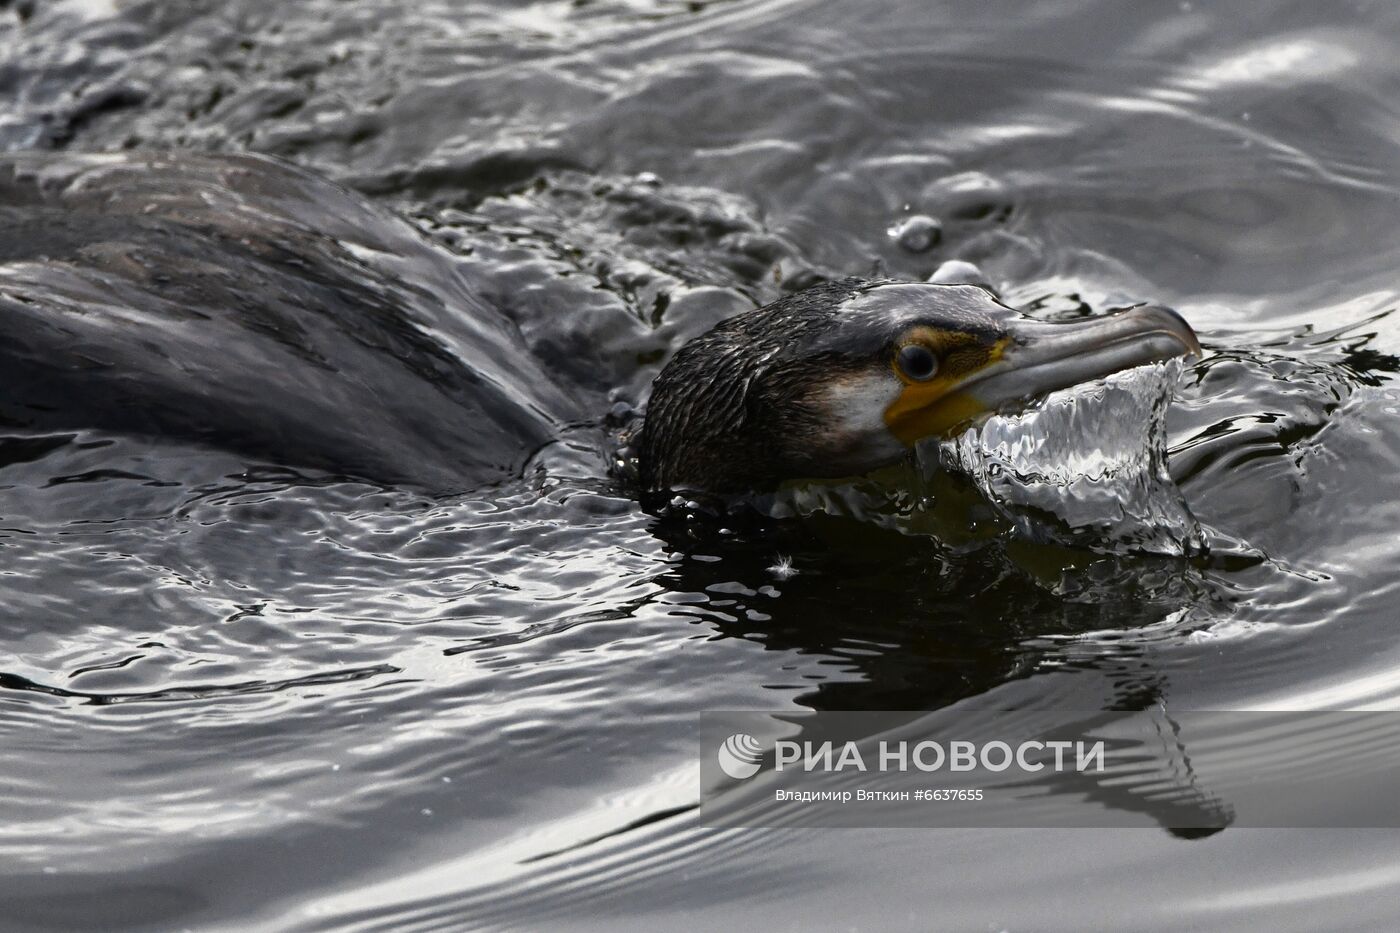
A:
(241, 693)
(1085, 465)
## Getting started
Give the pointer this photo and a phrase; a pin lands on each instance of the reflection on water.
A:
(231, 680)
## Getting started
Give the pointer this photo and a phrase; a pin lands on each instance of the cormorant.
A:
(244, 303)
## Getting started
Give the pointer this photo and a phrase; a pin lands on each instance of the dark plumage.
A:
(246, 304)
(734, 410)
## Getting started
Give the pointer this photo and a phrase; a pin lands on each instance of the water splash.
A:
(1086, 465)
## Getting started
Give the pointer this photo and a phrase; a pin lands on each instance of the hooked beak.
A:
(1038, 357)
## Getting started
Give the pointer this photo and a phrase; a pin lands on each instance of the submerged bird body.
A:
(239, 302)
(245, 304)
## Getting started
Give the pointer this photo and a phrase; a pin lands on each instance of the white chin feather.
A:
(856, 439)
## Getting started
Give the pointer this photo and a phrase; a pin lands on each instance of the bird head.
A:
(847, 377)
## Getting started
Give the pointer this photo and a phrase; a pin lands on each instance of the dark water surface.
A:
(238, 694)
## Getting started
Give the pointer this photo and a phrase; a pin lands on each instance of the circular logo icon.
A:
(740, 756)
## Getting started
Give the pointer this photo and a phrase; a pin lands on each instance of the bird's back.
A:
(241, 302)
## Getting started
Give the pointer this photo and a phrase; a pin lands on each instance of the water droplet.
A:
(917, 234)
(958, 272)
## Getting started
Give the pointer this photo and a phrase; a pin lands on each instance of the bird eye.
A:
(917, 362)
